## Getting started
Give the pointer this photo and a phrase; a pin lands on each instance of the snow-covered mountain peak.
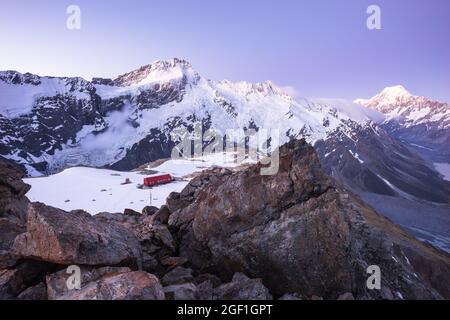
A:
(395, 92)
(409, 110)
(268, 87)
(164, 64)
(159, 71)
(389, 96)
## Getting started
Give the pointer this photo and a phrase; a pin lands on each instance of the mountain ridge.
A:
(104, 97)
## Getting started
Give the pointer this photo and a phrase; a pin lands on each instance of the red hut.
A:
(156, 180)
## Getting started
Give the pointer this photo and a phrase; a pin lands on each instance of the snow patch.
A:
(356, 156)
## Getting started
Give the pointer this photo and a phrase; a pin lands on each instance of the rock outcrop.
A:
(13, 209)
(300, 234)
(66, 238)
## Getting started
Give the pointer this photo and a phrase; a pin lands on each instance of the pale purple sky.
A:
(321, 48)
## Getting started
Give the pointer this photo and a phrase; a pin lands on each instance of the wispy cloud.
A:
(289, 90)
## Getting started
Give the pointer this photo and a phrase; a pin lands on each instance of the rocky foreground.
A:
(227, 235)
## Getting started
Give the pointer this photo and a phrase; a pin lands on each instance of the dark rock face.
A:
(37, 292)
(161, 216)
(16, 273)
(177, 276)
(15, 280)
(75, 238)
(154, 146)
(297, 232)
(13, 204)
(13, 208)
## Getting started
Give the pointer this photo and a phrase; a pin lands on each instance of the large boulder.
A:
(56, 283)
(59, 237)
(135, 285)
(301, 234)
(185, 291)
(149, 210)
(155, 239)
(242, 288)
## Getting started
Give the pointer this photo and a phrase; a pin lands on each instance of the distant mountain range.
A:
(378, 147)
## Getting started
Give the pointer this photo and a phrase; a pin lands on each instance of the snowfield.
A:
(101, 190)
(97, 190)
(444, 169)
